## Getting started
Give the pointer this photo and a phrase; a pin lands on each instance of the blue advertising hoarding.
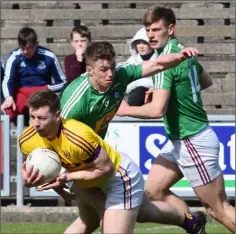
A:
(143, 141)
(153, 138)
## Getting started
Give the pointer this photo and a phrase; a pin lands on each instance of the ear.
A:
(89, 70)
(37, 43)
(58, 115)
(171, 29)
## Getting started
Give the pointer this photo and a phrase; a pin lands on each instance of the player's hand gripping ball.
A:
(46, 161)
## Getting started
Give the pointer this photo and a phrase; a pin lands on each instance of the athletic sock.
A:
(190, 223)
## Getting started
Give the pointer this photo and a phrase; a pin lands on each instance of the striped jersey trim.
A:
(56, 62)
(7, 74)
(123, 64)
(80, 142)
(26, 132)
(197, 161)
(127, 188)
(95, 155)
(79, 137)
(74, 98)
(159, 77)
(27, 136)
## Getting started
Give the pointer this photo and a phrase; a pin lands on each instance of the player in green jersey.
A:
(95, 96)
(193, 149)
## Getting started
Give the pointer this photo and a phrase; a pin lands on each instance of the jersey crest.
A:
(66, 153)
(41, 65)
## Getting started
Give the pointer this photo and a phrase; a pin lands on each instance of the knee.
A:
(154, 195)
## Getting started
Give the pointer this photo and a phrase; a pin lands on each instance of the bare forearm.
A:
(162, 63)
(86, 175)
(170, 60)
(167, 61)
(143, 112)
(100, 167)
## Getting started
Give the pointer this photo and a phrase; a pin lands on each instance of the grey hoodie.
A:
(135, 58)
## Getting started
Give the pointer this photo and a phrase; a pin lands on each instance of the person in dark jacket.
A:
(75, 63)
(29, 68)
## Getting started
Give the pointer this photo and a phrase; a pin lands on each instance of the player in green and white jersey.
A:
(95, 96)
(193, 149)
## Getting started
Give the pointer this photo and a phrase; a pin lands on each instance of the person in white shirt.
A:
(141, 51)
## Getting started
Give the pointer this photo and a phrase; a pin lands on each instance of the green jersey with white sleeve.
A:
(82, 102)
(185, 115)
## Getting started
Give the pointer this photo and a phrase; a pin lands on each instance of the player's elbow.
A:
(104, 164)
(156, 113)
(109, 169)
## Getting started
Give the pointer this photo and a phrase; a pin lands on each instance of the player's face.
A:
(44, 121)
(159, 33)
(143, 47)
(102, 72)
(29, 50)
(79, 42)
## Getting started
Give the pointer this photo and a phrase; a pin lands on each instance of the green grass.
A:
(56, 228)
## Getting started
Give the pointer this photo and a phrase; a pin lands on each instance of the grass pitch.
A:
(56, 228)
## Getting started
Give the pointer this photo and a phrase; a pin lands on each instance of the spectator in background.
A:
(141, 51)
(75, 63)
(2, 75)
(29, 68)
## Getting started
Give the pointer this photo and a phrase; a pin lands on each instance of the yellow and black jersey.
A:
(76, 144)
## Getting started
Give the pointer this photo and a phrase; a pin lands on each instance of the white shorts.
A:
(197, 156)
(125, 189)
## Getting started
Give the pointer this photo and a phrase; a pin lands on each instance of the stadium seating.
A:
(210, 27)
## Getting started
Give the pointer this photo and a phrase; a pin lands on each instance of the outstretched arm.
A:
(152, 110)
(167, 61)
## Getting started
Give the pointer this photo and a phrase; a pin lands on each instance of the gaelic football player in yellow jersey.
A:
(91, 162)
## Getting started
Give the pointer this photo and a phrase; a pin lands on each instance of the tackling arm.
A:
(167, 61)
(155, 109)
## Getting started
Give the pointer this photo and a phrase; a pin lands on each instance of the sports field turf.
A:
(53, 228)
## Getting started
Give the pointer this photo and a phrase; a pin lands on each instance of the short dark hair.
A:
(136, 97)
(27, 36)
(44, 98)
(99, 50)
(82, 30)
(157, 13)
